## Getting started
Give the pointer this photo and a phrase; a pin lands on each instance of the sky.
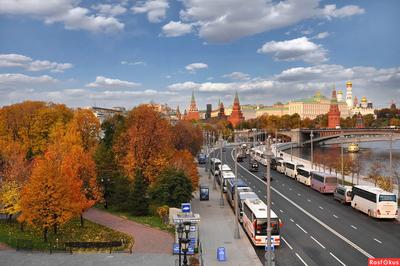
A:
(125, 52)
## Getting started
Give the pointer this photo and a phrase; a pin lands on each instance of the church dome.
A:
(364, 99)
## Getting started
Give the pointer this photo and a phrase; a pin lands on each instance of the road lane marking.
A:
(301, 259)
(308, 200)
(337, 259)
(283, 185)
(298, 194)
(259, 191)
(330, 229)
(301, 228)
(290, 188)
(284, 240)
(353, 226)
(291, 220)
(335, 216)
(380, 242)
(321, 207)
(273, 203)
(281, 211)
(254, 186)
(317, 242)
(265, 196)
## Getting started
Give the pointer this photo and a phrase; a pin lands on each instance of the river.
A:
(370, 152)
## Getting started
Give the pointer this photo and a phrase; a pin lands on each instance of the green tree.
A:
(138, 198)
(172, 188)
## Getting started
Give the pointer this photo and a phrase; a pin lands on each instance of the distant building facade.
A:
(102, 113)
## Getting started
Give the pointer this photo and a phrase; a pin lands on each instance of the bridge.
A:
(345, 135)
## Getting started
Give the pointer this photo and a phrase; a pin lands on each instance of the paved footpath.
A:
(216, 230)
(147, 239)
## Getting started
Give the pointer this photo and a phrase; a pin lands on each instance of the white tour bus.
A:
(304, 176)
(215, 163)
(225, 168)
(280, 166)
(230, 189)
(291, 169)
(374, 201)
(242, 197)
(255, 222)
(224, 177)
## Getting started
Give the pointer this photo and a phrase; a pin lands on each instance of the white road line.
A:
(327, 227)
(290, 188)
(301, 259)
(321, 207)
(282, 184)
(335, 216)
(337, 259)
(284, 240)
(380, 242)
(308, 200)
(265, 196)
(259, 191)
(291, 220)
(353, 226)
(317, 242)
(281, 211)
(301, 228)
(254, 186)
(298, 194)
(273, 203)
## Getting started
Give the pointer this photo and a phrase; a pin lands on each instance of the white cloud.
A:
(330, 11)
(156, 9)
(109, 10)
(64, 11)
(12, 81)
(196, 66)
(321, 35)
(228, 20)
(134, 63)
(17, 60)
(295, 50)
(108, 83)
(175, 29)
(237, 76)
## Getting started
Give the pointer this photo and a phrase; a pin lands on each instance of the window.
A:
(262, 227)
(364, 194)
(387, 198)
(330, 180)
(303, 172)
(318, 178)
(289, 165)
(248, 212)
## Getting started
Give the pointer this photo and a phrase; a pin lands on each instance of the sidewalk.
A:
(146, 239)
(216, 230)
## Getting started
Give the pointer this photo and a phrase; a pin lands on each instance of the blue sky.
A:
(121, 53)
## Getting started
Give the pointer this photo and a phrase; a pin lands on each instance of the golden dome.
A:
(348, 83)
(339, 92)
(364, 99)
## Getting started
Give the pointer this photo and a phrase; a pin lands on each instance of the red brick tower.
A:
(334, 113)
(236, 116)
(193, 113)
(221, 113)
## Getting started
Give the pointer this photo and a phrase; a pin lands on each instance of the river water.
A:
(370, 152)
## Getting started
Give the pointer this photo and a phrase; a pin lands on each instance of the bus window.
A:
(387, 198)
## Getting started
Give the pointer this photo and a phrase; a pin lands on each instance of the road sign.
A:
(221, 255)
(272, 244)
(186, 207)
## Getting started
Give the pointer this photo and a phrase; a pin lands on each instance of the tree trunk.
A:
(55, 228)
(45, 234)
(9, 218)
(21, 226)
(82, 220)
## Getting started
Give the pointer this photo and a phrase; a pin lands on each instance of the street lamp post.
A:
(105, 182)
(312, 150)
(236, 230)
(291, 151)
(269, 246)
(221, 200)
(215, 182)
(180, 237)
(341, 155)
(206, 144)
(186, 242)
(390, 159)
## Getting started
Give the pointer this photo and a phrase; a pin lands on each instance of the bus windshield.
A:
(387, 198)
(262, 227)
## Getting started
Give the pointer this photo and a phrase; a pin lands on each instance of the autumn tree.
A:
(146, 145)
(89, 128)
(184, 161)
(10, 197)
(187, 136)
(138, 198)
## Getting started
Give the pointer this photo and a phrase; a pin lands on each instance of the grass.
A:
(149, 220)
(70, 232)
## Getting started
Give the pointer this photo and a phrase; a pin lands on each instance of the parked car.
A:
(343, 193)
(201, 158)
(264, 177)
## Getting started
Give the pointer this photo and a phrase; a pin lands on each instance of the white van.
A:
(280, 166)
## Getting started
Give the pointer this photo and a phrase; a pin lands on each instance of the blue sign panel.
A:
(190, 251)
(175, 248)
(221, 255)
(272, 245)
(186, 208)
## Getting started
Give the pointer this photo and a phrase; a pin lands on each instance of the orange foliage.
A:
(183, 160)
(146, 144)
(13, 165)
(89, 128)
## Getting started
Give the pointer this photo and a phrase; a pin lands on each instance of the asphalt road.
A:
(317, 230)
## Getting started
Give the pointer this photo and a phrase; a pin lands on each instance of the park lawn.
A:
(149, 220)
(69, 232)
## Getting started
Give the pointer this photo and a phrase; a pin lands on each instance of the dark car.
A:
(240, 157)
(202, 158)
(253, 166)
(273, 162)
(264, 177)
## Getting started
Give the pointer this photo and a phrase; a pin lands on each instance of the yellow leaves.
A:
(183, 160)
(10, 193)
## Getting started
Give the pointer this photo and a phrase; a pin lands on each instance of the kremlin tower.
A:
(221, 113)
(193, 113)
(236, 116)
(349, 94)
(334, 113)
(178, 113)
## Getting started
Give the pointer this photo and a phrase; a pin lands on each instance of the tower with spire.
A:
(178, 113)
(221, 112)
(236, 116)
(193, 113)
(334, 113)
(349, 94)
